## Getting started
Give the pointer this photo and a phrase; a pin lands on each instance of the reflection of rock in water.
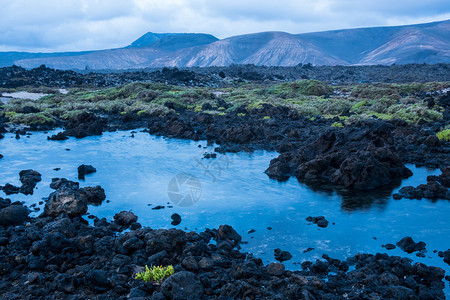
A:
(354, 200)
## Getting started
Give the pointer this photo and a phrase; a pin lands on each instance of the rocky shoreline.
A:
(58, 255)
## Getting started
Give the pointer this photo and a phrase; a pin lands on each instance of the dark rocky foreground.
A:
(56, 256)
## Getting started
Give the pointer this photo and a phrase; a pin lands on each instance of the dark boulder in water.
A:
(408, 245)
(282, 255)
(85, 170)
(320, 221)
(176, 219)
(361, 157)
(60, 136)
(29, 179)
(95, 195)
(10, 189)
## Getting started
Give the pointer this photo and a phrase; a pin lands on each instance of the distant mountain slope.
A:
(422, 43)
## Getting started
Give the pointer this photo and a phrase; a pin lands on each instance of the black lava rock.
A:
(85, 170)
(176, 219)
(408, 245)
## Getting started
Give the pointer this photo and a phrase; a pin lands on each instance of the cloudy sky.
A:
(74, 25)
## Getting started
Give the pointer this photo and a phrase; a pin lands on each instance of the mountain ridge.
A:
(419, 43)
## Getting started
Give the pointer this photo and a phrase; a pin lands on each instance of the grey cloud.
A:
(48, 25)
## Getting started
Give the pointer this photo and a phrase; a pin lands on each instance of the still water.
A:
(139, 173)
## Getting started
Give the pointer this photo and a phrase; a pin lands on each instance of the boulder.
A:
(60, 136)
(408, 245)
(95, 195)
(125, 218)
(13, 215)
(282, 255)
(361, 157)
(176, 219)
(68, 198)
(182, 285)
(10, 189)
(29, 179)
(85, 170)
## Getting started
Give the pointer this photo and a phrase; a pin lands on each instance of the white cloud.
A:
(71, 25)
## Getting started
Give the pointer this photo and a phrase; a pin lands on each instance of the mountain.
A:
(173, 41)
(422, 43)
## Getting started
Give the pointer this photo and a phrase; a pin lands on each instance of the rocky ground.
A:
(59, 255)
(13, 77)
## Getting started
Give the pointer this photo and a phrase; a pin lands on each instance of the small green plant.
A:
(444, 135)
(266, 118)
(241, 115)
(156, 274)
(337, 125)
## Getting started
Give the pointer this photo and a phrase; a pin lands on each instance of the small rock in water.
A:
(269, 228)
(320, 221)
(61, 136)
(308, 250)
(176, 219)
(282, 255)
(158, 207)
(389, 246)
(408, 245)
(251, 231)
(85, 170)
(57, 169)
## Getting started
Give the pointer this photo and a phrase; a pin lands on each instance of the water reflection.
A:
(353, 200)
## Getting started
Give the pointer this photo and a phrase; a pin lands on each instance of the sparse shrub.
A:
(337, 125)
(444, 135)
(266, 118)
(157, 274)
(31, 119)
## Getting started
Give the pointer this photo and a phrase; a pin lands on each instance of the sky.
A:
(78, 25)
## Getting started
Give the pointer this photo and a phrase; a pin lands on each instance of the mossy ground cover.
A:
(310, 98)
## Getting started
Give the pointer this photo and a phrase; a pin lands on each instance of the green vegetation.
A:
(444, 135)
(309, 98)
(337, 125)
(156, 274)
